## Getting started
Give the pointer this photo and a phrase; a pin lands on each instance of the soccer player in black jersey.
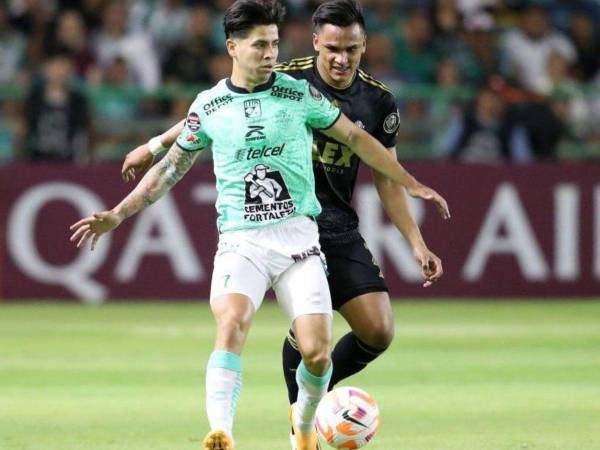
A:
(358, 290)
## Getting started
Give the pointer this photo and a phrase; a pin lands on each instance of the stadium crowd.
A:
(476, 80)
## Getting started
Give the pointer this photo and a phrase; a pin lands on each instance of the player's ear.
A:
(364, 43)
(231, 47)
(316, 42)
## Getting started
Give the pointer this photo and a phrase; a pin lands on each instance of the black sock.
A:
(350, 356)
(291, 358)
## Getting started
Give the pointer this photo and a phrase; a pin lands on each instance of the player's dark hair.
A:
(341, 13)
(244, 15)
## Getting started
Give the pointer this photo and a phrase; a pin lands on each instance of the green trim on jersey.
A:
(262, 148)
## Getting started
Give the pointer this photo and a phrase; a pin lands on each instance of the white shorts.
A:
(285, 256)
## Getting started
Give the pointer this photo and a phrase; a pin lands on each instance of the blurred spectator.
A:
(587, 45)
(415, 56)
(380, 17)
(217, 36)
(117, 105)
(188, 62)
(379, 58)
(296, 40)
(167, 25)
(114, 41)
(449, 40)
(480, 37)
(526, 50)
(57, 125)
(34, 20)
(71, 37)
(486, 133)
(12, 49)
(219, 67)
(566, 98)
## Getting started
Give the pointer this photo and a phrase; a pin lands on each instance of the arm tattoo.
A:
(159, 179)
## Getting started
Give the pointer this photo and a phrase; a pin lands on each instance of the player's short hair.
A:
(244, 15)
(341, 13)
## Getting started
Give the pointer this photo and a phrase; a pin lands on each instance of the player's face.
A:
(340, 50)
(256, 54)
(261, 174)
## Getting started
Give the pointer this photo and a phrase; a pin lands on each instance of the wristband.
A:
(155, 146)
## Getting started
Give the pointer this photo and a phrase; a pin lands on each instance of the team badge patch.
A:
(391, 123)
(314, 92)
(252, 109)
(193, 121)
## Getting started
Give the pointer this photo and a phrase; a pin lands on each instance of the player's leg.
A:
(303, 293)
(237, 290)
(372, 323)
(354, 280)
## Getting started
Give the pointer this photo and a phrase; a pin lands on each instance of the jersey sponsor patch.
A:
(267, 195)
(391, 123)
(193, 122)
(314, 93)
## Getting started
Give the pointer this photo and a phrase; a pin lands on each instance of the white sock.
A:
(223, 387)
(311, 389)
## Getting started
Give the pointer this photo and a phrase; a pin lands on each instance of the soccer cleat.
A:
(217, 440)
(300, 440)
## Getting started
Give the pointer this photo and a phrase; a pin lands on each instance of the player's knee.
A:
(231, 332)
(380, 335)
(317, 359)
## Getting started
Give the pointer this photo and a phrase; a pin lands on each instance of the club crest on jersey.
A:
(314, 93)
(391, 123)
(252, 109)
(193, 121)
(267, 195)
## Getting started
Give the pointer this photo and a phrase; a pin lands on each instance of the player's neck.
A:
(241, 80)
(330, 81)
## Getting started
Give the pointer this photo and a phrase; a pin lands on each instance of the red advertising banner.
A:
(514, 232)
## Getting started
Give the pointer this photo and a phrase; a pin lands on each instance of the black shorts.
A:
(352, 272)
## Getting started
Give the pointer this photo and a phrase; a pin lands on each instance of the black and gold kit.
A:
(371, 105)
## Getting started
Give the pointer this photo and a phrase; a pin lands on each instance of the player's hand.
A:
(137, 162)
(431, 265)
(426, 193)
(93, 227)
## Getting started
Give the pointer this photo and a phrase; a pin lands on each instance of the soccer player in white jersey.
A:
(260, 126)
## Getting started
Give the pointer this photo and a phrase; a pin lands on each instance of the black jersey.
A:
(369, 104)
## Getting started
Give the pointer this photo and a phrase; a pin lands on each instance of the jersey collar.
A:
(259, 88)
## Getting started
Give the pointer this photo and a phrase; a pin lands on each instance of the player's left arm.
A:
(395, 203)
(375, 155)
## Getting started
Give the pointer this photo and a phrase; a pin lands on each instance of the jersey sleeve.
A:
(193, 137)
(388, 122)
(321, 114)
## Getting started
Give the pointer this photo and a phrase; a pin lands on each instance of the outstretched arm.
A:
(395, 204)
(139, 160)
(375, 155)
(159, 179)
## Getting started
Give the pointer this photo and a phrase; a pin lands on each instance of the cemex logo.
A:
(255, 133)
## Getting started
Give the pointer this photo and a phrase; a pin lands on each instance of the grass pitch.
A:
(459, 376)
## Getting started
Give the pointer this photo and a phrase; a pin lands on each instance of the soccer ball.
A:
(347, 417)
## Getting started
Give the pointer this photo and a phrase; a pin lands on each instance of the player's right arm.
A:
(159, 179)
(139, 160)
